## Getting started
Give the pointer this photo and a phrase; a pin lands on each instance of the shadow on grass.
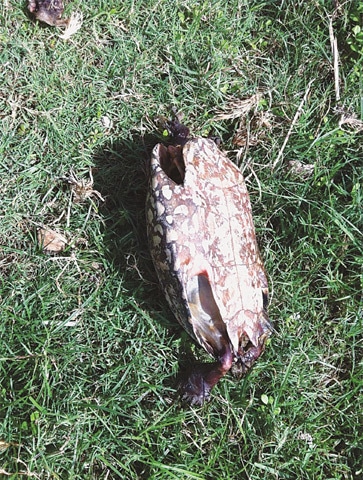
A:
(121, 175)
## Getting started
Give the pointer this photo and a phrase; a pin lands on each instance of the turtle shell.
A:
(203, 245)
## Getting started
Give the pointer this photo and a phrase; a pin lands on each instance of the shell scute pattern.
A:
(203, 244)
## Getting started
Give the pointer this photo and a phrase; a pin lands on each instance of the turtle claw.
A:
(195, 390)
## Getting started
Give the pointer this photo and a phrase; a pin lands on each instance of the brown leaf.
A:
(51, 241)
(238, 108)
(49, 12)
(4, 445)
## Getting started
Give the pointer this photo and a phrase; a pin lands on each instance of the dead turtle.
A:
(49, 12)
(204, 249)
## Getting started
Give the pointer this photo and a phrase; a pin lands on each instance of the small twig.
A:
(335, 53)
(347, 118)
(69, 208)
(253, 174)
(72, 258)
(16, 358)
(294, 122)
(11, 474)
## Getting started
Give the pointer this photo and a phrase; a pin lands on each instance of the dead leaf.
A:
(238, 108)
(81, 188)
(352, 122)
(49, 12)
(4, 445)
(298, 169)
(75, 23)
(51, 241)
(252, 131)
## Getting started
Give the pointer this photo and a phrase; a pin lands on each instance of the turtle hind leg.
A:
(196, 388)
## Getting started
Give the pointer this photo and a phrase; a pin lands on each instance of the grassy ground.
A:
(89, 351)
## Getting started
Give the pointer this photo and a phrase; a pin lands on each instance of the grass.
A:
(89, 351)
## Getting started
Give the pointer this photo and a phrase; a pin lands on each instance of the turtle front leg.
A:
(196, 388)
